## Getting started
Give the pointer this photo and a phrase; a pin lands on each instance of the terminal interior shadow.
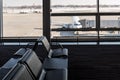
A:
(84, 62)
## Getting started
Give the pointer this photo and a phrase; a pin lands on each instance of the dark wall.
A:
(94, 62)
(85, 62)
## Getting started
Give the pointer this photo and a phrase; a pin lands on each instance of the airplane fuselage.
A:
(72, 26)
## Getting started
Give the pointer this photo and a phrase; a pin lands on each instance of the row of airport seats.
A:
(52, 53)
(26, 65)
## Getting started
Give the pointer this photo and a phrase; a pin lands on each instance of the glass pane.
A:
(109, 5)
(22, 18)
(110, 33)
(68, 26)
(110, 22)
(73, 6)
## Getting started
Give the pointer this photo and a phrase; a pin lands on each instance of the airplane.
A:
(76, 24)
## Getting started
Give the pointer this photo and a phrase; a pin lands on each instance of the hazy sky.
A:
(77, 2)
(21, 2)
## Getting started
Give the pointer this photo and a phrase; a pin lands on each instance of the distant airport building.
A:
(103, 24)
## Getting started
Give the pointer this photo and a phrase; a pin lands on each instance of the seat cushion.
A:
(60, 53)
(55, 63)
(59, 74)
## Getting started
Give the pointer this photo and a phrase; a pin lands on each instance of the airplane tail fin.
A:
(76, 20)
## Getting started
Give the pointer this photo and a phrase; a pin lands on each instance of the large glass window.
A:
(69, 18)
(22, 18)
(72, 26)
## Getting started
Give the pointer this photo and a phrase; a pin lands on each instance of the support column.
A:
(98, 23)
(46, 19)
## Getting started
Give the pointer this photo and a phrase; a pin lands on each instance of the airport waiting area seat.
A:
(30, 65)
(18, 72)
(25, 65)
(37, 69)
(54, 53)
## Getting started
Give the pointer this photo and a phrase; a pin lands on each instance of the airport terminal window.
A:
(25, 20)
(74, 6)
(109, 5)
(73, 26)
(22, 18)
(103, 23)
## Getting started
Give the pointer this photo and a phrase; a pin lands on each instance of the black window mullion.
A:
(98, 22)
(1, 18)
(46, 19)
